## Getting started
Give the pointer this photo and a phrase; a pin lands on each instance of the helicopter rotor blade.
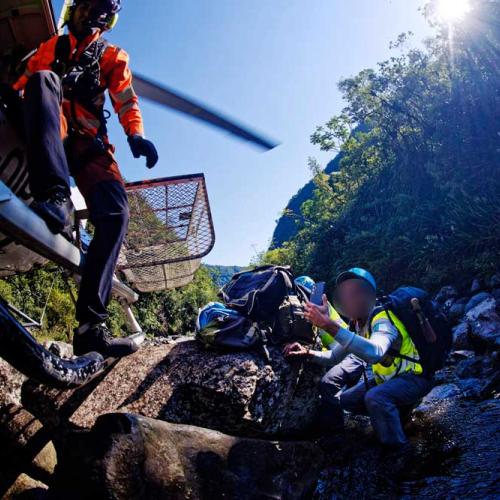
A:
(167, 97)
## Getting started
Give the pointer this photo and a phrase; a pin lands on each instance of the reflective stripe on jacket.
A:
(115, 76)
(396, 365)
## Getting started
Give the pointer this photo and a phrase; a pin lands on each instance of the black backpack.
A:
(258, 293)
(267, 295)
(432, 351)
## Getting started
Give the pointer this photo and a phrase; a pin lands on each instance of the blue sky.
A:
(273, 65)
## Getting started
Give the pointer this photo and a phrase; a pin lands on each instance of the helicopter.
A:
(170, 229)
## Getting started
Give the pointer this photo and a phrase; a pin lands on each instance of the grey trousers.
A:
(384, 402)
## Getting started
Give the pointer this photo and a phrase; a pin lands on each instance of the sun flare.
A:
(452, 10)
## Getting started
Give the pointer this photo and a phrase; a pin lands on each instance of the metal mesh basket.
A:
(170, 230)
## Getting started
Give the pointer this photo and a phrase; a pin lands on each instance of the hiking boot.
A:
(56, 211)
(97, 338)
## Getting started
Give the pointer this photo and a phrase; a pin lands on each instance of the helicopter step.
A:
(20, 349)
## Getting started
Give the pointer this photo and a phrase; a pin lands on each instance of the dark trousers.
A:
(106, 200)
(385, 403)
(48, 166)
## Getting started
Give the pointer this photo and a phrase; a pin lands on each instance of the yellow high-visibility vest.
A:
(326, 338)
(398, 365)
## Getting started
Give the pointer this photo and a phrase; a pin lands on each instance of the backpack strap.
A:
(393, 352)
(61, 55)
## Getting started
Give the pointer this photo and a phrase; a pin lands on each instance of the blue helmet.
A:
(357, 273)
(305, 282)
(211, 312)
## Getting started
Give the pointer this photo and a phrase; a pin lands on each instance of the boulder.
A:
(130, 457)
(461, 339)
(437, 394)
(476, 300)
(484, 321)
(11, 382)
(446, 293)
(238, 393)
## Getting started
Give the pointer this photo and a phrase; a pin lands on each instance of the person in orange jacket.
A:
(64, 86)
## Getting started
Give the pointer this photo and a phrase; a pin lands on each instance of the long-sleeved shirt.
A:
(372, 349)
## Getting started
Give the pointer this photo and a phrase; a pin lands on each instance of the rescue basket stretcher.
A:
(170, 231)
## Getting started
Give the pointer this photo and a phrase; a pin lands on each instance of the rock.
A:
(61, 349)
(460, 355)
(11, 382)
(27, 488)
(447, 305)
(125, 456)
(26, 447)
(476, 286)
(476, 300)
(456, 311)
(470, 368)
(496, 294)
(494, 281)
(470, 387)
(237, 393)
(437, 394)
(485, 323)
(446, 293)
(461, 336)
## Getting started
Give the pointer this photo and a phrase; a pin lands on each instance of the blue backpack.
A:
(222, 328)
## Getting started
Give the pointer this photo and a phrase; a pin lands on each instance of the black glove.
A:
(143, 147)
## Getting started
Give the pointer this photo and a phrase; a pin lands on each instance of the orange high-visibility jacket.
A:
(115, 76)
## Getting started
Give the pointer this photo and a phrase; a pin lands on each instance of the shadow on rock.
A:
(126, 456)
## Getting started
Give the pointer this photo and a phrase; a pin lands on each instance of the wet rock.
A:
(476, 286)
(446, 293)
(26, 447)
(448, 304)
(437, 394)
(126, 456)
(461, 339)
(237, 393)
(476, 300)
(461, 354)
(471, 388)
(484, 321)
(26, 488)
(11, 382)
(494, 281)
(456, 311)
(470, 368)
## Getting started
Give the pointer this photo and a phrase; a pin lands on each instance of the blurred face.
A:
(355, 299)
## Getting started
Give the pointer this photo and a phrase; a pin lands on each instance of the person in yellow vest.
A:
(395, 384)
